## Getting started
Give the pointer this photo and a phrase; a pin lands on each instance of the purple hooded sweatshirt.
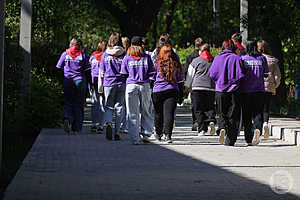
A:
(138, 69)
(226, 71)
(254, 78)
(160, 83)
(110, 64)
(74, 68)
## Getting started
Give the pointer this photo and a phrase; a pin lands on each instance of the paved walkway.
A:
(89, 167)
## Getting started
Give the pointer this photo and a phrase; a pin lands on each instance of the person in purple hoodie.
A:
(167, 91)
(113, 84)
(137, 67)
(227, 71)
(252, 91)
(76, 68)
(97, 99)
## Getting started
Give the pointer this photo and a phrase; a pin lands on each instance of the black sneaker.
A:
(109, 131)
(168, 139)
(99, 130)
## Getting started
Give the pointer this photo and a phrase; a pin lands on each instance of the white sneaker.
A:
(222, 136)
(256, 140)
(212, 127)
(266, 130)
(202, 133)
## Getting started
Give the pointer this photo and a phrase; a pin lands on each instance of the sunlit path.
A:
(90, 167)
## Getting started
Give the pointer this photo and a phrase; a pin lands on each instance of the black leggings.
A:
(164, 105)
(267, 101)
(252, 109)
(204, 108)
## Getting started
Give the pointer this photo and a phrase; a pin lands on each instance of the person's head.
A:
(168, 63)
(125, 43)
(228, 45)
(198, 43)
(264, 47)
(136, 48)
(236, 37)
(76, 41)
(205, 47)
(164, 39)
(101, 46)
(114, 40)
(251, 47)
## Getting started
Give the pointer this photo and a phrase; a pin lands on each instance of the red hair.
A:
(168, 63)
(228, 45)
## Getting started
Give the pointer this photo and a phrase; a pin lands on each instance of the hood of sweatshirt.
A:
(271, 59)
(115, 51)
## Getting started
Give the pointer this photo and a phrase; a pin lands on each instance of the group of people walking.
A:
(141, 88)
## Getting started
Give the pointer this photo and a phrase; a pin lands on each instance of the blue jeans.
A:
(97, 108)
(74, 101)
(137, 104)
(114, 101)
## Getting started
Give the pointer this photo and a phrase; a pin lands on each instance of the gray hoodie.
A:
(197, 77)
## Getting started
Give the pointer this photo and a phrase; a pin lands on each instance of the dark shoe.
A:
(94, 129)
(146, 139)
(99, 130)
(117, 137)
(109, 131)
(168, 139)
(67, 126)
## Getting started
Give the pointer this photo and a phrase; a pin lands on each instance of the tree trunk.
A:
(25, 47)
(244, 21)
(2, 20)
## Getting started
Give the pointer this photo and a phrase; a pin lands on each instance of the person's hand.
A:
(100, 90)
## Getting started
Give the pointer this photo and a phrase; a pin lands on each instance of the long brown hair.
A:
(134, 50)
(169, 65)
(264, 47)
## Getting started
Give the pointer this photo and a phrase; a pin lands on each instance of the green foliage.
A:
(46, 102)
(184, 52)
(292, 108)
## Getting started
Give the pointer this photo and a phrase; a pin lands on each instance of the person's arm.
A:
(100, 81)
(189, 76)
(277, 75)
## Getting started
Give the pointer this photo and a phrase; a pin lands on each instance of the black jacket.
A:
(189, 60)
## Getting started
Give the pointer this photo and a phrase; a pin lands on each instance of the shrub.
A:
(46, 102)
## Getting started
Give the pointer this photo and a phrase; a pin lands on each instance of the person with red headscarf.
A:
(203, 91)
(76, 68)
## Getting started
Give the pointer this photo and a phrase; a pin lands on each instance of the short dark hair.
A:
(198, 43)
(252, 49)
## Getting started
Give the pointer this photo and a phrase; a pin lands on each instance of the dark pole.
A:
(2, 20)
